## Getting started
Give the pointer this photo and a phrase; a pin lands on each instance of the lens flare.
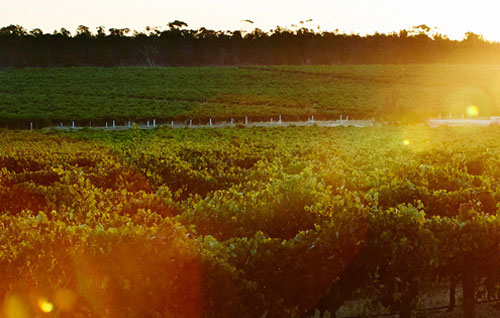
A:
(45, 305)
(472, 111)
(15, 307)
(406, 142)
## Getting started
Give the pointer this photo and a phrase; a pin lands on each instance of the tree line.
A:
(176, 45)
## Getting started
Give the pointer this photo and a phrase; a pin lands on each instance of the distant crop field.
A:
(399, 92)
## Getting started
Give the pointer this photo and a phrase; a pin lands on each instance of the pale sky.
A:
(451, 17)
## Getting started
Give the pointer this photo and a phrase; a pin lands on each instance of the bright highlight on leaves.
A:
(406, 142)
(472, 111)
(45, 305)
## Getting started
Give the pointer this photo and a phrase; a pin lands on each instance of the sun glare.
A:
(406, 142)
(472, 111)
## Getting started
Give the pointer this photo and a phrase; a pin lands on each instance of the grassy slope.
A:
(364, 91)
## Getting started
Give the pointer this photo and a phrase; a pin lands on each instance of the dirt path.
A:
(482, 311)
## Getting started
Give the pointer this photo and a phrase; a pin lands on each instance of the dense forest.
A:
(177, 45)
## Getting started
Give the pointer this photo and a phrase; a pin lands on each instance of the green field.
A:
(395, 92)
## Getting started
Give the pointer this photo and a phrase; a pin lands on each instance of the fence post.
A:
(468, 274)
(246, 120)
(114, 125)
(453, 290)
(340, 117)
(172, 123)
(279, 119)
(312, 118)
(232, 121)
(31, 125)
(469, 289)
(154, 122)
(106, 125)
(73, 124)
(147, 123)
(190, 123)
(346, 118)
(271, 120)
(210, 123)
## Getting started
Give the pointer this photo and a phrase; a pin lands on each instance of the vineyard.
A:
(408, 93)
(245, 222)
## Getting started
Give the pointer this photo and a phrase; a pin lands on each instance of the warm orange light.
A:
(64, 299)
(15, 307)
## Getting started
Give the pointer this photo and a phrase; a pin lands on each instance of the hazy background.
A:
(453, 18)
